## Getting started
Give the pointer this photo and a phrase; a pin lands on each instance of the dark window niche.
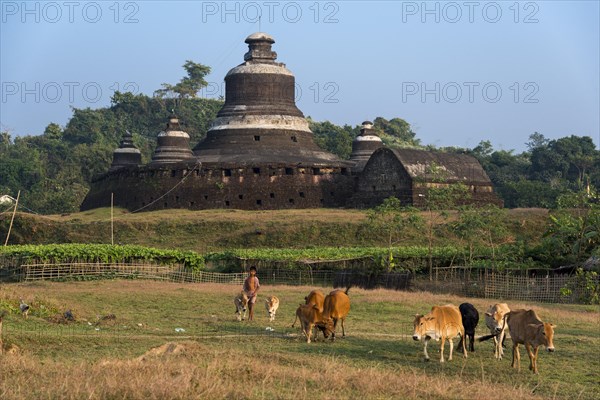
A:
(257, 138)
(301, 194)
(272, 195)
(294, 139)
(205, 197)
(226, 172)
(374, 188)
(289, 171)
(291, 201)
(166, 205)
(256, 170)
(259, 202)
(177, 199)
(393, 187)
(227, 203)
(191, 204)
(173, 174)
(241, 197)
(316, 171)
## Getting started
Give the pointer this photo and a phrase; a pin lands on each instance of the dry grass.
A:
(198, 370)
(302, 215)
(217, 357)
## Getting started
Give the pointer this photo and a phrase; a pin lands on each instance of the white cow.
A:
(271, 304)
(241, 305)
(495, 321)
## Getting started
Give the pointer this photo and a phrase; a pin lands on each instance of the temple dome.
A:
(260, 36)
(364, 145)
(127, 155)
(173, 145)
(260, 121)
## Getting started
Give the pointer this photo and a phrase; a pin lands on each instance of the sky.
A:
(459, 72)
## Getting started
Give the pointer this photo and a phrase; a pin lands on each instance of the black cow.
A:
(470, 319)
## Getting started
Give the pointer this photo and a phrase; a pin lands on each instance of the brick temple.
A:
(259, 153)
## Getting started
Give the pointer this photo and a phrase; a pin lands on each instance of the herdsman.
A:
(251, 286)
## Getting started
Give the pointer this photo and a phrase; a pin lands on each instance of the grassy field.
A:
(152, 340)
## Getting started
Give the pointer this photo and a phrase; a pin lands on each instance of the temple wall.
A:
(260, 187)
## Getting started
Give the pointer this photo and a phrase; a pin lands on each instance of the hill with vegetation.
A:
(524, 238)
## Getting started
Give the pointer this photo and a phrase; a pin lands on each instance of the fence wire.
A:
(462, 281)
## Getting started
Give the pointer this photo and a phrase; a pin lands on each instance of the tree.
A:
(395, 132)
(332, 138)
(573, 232)
(437, 200)
(53, 131)
(392, 219)
(483, 150)
(565, 161)
(536, 140)
(5, 140)
(190, 85)
(481, 225)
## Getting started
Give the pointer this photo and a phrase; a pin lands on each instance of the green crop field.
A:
(152, 340)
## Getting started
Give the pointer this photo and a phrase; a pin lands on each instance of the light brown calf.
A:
(241, 305)
(271, 304)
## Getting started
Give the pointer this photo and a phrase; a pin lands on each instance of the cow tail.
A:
(487, 337)
(347, 289)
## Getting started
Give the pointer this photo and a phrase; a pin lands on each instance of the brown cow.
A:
(335, 307)
(526, 328)
(317, 298)
(241, 304)
(494, 319)
(443, 322)
(309, 316)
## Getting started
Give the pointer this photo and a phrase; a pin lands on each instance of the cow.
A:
(271, 304)
(494, 319)
(315, 297)
(241, 304)
(526, 328)
(470, 319)
(310, 316)
(335, 308)
(443, 322)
